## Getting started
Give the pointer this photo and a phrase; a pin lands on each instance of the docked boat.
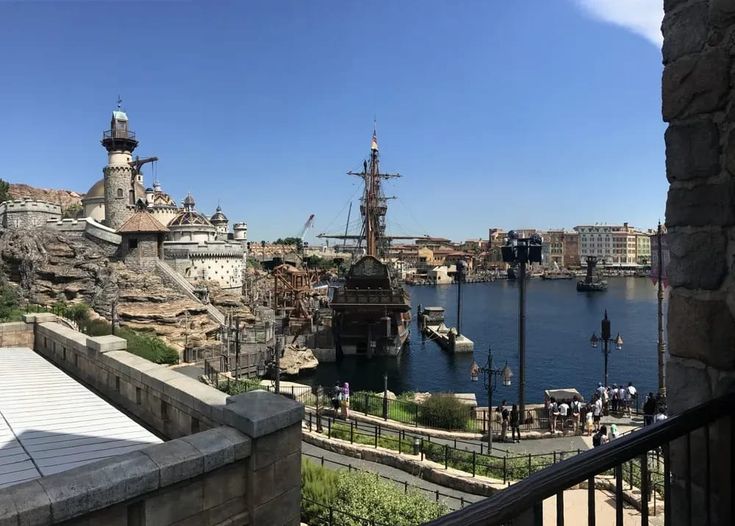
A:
(371, 311)
(557, 273)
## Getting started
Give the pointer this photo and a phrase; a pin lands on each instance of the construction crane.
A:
(309, 224)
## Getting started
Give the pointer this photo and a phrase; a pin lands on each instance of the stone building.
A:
(613, 245)
(571, 250)
(160, 204)
(699, 105)
(198, 251)
(142, 239)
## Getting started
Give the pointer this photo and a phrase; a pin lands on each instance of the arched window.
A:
(119, 193)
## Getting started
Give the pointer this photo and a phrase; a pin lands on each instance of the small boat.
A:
(557, 273)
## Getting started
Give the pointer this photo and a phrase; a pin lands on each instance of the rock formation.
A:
(49, 266)
(65, 198)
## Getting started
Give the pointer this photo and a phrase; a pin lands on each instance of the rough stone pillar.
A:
(273, 423)
(699, 105)
(118, 177)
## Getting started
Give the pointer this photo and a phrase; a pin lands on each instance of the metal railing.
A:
(455, 454)
(118, 134)
(522, 503)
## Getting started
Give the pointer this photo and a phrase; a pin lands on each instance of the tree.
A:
(4, 191)
(72, 211)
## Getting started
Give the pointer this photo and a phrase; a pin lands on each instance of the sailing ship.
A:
(371, 311)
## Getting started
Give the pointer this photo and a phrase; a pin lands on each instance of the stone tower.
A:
(119, 175)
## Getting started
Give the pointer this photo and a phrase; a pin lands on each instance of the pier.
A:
(431, 321)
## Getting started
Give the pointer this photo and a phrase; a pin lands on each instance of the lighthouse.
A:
(119, 174)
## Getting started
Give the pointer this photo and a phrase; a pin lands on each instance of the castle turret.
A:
(220, 221)
(119, 174)
(240, 232)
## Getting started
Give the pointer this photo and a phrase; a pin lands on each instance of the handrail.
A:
(522, 496)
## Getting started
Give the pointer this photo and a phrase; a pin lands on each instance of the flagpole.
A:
(661, 344)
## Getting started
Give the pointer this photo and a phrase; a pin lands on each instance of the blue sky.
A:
(542, 113)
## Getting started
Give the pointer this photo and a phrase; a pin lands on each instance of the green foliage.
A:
(9, 301)
(244, 385)
(4, 191)
(72, 211)
(287, 241)
(445, 411)
(149, 346)
(358, 496)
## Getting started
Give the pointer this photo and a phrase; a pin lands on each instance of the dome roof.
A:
(218, 217)
(98, 190)
(162, 199)
(190, 218)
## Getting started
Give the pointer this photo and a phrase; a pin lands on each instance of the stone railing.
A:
(232, 460)
(188, 289)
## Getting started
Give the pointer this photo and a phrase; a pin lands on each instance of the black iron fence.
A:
(326, 515)
(470, 457)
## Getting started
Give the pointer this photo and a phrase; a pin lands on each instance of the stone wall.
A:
(202, 479)
(233, 460)
(699, 105)
(27, 213)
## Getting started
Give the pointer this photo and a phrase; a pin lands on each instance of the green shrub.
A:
(9, 301)
(149, 346)
(243, 385)
(363, 495)
(444, 411)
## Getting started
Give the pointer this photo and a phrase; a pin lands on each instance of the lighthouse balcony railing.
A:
(691, 487)
(118, 134)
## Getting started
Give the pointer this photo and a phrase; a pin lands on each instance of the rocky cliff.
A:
(65, 198)
(49, 266)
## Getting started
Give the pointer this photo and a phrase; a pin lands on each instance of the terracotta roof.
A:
(141, 221)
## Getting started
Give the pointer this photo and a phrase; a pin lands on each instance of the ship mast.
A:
(374, 203)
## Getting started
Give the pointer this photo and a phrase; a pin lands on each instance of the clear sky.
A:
(528, 113)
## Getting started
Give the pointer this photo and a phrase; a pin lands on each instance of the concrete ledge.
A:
(99, 484)
(426, 469)
(39, 317)
(259, 413)
(106, 343)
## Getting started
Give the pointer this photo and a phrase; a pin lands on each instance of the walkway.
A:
(393, 473)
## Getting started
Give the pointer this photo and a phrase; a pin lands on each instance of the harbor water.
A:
(559, 324)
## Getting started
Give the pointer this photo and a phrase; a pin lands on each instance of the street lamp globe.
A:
(474, 372)
(507, 375)
(618, 342)
(594, 340)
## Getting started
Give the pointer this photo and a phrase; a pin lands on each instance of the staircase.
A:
(188, 290)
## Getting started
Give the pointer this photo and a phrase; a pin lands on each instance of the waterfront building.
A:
(643, 247)
(613, 245)
(552, 249)
(571, 250)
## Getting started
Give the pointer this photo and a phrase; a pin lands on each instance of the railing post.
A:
(645, 490)
(505, 470)
(322, 460)
(422, 448)
(376, 437)
(329, 429)
(667, 478)
(474, 462)
(560, 508)
(591, 520)
(619, 495)
(367, 401)
(352, 433)
(446, 456)
(529, 464)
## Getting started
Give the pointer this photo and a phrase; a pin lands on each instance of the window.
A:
(119, 193)
(132, 244)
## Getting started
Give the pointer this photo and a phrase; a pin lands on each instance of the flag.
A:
(654, 259)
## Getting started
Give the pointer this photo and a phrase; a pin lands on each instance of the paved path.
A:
(393, 473)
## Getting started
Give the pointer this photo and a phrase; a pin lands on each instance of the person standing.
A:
(649, 408)
(576, 411)
(346, 401)
(504, 415)
(336, 397)
(614, 398)
(553, 414)
(597, 413)
(630, 395)
(515, 423)
(563, 414)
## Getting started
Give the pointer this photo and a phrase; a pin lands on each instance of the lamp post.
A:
(522, 251)
(489, 374)
(459, 276)
(385, 396)
(606, 339)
